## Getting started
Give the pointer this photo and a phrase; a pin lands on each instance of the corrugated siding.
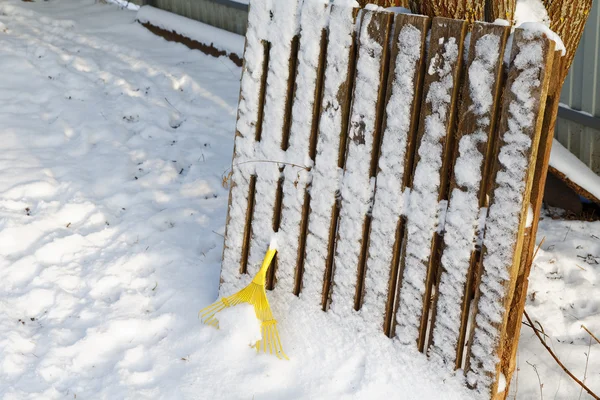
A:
(582, 92)
(225, 14)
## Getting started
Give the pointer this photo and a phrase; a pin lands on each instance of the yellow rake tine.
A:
(270, 336)
(279, 343)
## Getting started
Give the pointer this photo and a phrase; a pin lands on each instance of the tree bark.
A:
(567, 19)
(385, 3)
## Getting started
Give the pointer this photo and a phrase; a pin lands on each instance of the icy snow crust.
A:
(389, 200)
(423, 206)
(357, 185)
(505, 211)
(462, 219)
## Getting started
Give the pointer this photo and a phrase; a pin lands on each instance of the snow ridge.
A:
(244, 144)
(505, 212)
(387, 208)
(462, 218)
(423, 208)
(326, 173)
(357, 185)
(314, 18)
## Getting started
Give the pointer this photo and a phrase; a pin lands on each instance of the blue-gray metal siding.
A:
(580, 133)
(225, 14)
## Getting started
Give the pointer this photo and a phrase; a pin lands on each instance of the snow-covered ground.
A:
(113, 147)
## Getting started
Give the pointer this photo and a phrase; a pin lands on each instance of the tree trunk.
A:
(500, 9)
(568, 18)
(385, 3)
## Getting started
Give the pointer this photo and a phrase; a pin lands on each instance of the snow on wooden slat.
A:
(363, 147)
(248, 129)
(467, 195)
(333, 123)
(395, 166)
(276, 124)
(435, 141)
(305, 112)
(517, 307)
(522, 114)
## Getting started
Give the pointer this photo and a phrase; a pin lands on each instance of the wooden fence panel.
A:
(520, 126)
(248, 131)
(361, 160)
(467, 202)
(329, 157)
(430, 180)
(407, 67)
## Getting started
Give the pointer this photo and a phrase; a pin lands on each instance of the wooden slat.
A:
(517, 307)
(467, 195)
(520, 127)
(430, 179)
(407, 68)
(337, 89)
(305, 113)
(248, 130)
(276, 125)
(363, 147)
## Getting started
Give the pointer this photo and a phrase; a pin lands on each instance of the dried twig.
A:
(591, 334)
(587, 389)
(539, 380)
(587, 361)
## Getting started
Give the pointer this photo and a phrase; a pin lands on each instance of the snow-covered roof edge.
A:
(573, 169)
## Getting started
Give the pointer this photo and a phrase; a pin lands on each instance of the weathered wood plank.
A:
(520, 127)
(363, 147)
(248, 130)
(467, 194)
(305, 113)
(430, 179)
(333, 123)
(283, 37)
(407, 68)
(515, 312)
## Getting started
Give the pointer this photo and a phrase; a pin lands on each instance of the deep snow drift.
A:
(114, 146)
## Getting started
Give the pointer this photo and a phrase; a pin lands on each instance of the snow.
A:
(284, 26)
(531, 11)
(562, 296)
(241, 324)
(326, 174)
(314, 20)
(423, 208)
(244, 149)
(532, 15)
(574, 169)
(357, 185)
(230, 42)
(464, 215)
(102, 274)
(389, 202)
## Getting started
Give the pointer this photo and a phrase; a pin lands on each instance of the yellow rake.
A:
(256, 295)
